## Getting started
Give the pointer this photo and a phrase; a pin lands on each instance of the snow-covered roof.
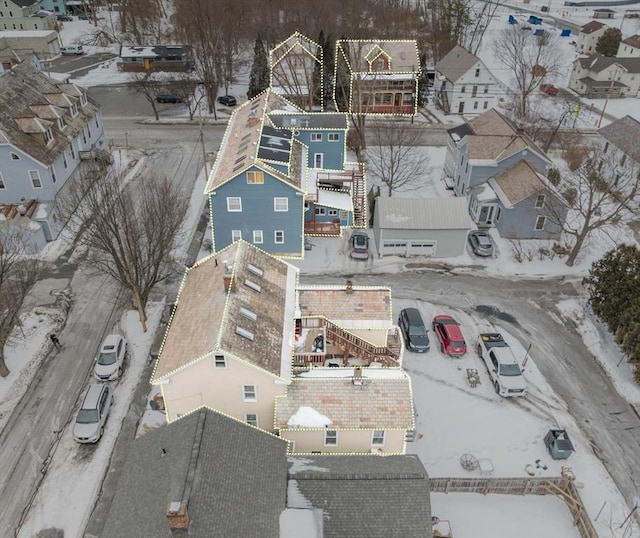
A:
(423, 213)
(335, 199)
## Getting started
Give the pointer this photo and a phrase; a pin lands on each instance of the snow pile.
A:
(308, 417)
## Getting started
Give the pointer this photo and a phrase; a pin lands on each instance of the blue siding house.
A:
(50, 132)
(280, 175)
(502, 172)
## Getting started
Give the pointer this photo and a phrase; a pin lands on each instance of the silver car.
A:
(93, 413)
(110, 361)
(359, 243)
(481, 243)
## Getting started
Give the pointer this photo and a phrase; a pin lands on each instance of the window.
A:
(330, 438)
(258, 237)
(236, 235)
(333, 212)
(478, 72)
(83, 99)
(73, 154)
(48, 136)
(498, 214)
(316, 137)
(234, 204)
(84, 136)
(281, 204)
(53, 174)
(333, 137)
(475, 105)
(61, 123)
(606, 147)
(462, 90)
(486, 88)
(15, 156)
(35, 179)
(249, 393)
(219, 361)
(486, 104)
(540, 201)
(540, 222)
(320, 211)
(251, 419)
(378, 437)
(278, 236)
(623, 159)
(2, 185)
(64, 158)
(97, 124)
(474, 91)
(255, 178)
(318, 159)
(74, 110)
(379, 65)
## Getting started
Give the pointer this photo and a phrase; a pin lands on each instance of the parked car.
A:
(503, 367)
(65, 18)
(110, 361)
(168, 98)
(359, 242)
(72, 50)
(83, 17)
(549, 89)
(92, 416)
(481, 243)
(227, 100)
(413, 330)
(448, 332)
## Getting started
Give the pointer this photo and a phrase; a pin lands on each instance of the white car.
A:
(110, 361)
(92, 416)
(504, 369)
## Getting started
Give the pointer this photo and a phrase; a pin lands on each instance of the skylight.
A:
(244, 333)
(251, 284)
(248, 313)
(255, 270)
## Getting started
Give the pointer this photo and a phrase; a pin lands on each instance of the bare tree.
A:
(129, 230)
(18, 272)
(145, 84)
(600, 193)
(483, 12)
(185, 86)
(393, 155)
(529, 58)
(142, 21)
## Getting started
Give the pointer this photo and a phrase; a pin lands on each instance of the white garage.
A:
(435, 227)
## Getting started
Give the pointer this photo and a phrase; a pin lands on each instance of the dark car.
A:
(168, 98)
(65, 18)
(481, 243)
(414, 330)
(448, 332)
(359, 246)
(227, 100)
(83, 17)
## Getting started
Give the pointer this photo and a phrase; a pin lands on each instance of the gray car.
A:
(91, 418)
(359, 246)
(481, 243)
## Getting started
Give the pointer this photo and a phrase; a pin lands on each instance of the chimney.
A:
(349, 288)
(229, 282)
(177, 516)
(357, 375)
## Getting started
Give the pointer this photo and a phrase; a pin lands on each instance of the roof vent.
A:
(229, 281)
(357, 376)
(177, 516)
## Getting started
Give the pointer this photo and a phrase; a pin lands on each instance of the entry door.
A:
(486, 214)
(318, 160)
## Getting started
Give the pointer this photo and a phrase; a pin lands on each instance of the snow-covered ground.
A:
(453, 417)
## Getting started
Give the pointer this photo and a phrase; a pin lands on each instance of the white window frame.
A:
(333, 137)
(247, 391)
(74, 110)
(83, 99)
(378, 440)
(316, 137)
(219, 361)
(540, 200)
(48, 136)
(331, 440)
(234, 204)
(34, 175)
(236, 235)
(540, 219)
(61, 123)
(248, 420)
(318, 160)
(275, 237)
(257, 177)
(258, 237)
(281, 204)
(2, 185)
(320, 211)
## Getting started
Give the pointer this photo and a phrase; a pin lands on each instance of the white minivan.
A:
(72, 50)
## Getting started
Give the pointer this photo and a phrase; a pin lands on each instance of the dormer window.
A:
(61, 123)
(74, 110)
(15, 156)
(83, 99)
(48, 136)
(379, 65)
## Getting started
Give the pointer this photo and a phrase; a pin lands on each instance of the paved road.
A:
(527, 308)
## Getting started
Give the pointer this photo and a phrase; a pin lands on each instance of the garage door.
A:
(422, 248)
(394, 248)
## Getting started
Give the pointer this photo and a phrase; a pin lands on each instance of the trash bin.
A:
(559, 445)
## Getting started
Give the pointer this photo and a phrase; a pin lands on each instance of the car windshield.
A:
(457, 344)
(510, 370)
(418, 330)
(483, 240)
(105, 359)
(360, 240)
(87, 416)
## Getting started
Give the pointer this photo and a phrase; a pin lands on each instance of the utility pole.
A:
(204, 153)
(613, 79)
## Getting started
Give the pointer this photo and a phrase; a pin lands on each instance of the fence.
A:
(558, 485)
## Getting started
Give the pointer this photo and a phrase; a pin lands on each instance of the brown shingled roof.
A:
(494, 147)
(590, 27)
(518, 182)
(377, 404)
(402, 54)
(207, 316)
(633, 41)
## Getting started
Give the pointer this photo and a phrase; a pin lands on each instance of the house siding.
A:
(258, 214)
(332, 152)
(202, 384)
(15, 176)
(349, 442)
(448, 243)
(473, 105)
(519, 222)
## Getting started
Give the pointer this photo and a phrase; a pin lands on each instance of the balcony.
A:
(322, 228)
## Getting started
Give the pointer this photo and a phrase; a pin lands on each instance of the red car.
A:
(549, 89)
(448, 332)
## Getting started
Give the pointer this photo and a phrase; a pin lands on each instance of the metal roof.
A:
(423, 213)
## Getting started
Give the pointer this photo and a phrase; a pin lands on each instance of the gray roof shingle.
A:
(624, 134)
(363, 496)
(239, 487)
